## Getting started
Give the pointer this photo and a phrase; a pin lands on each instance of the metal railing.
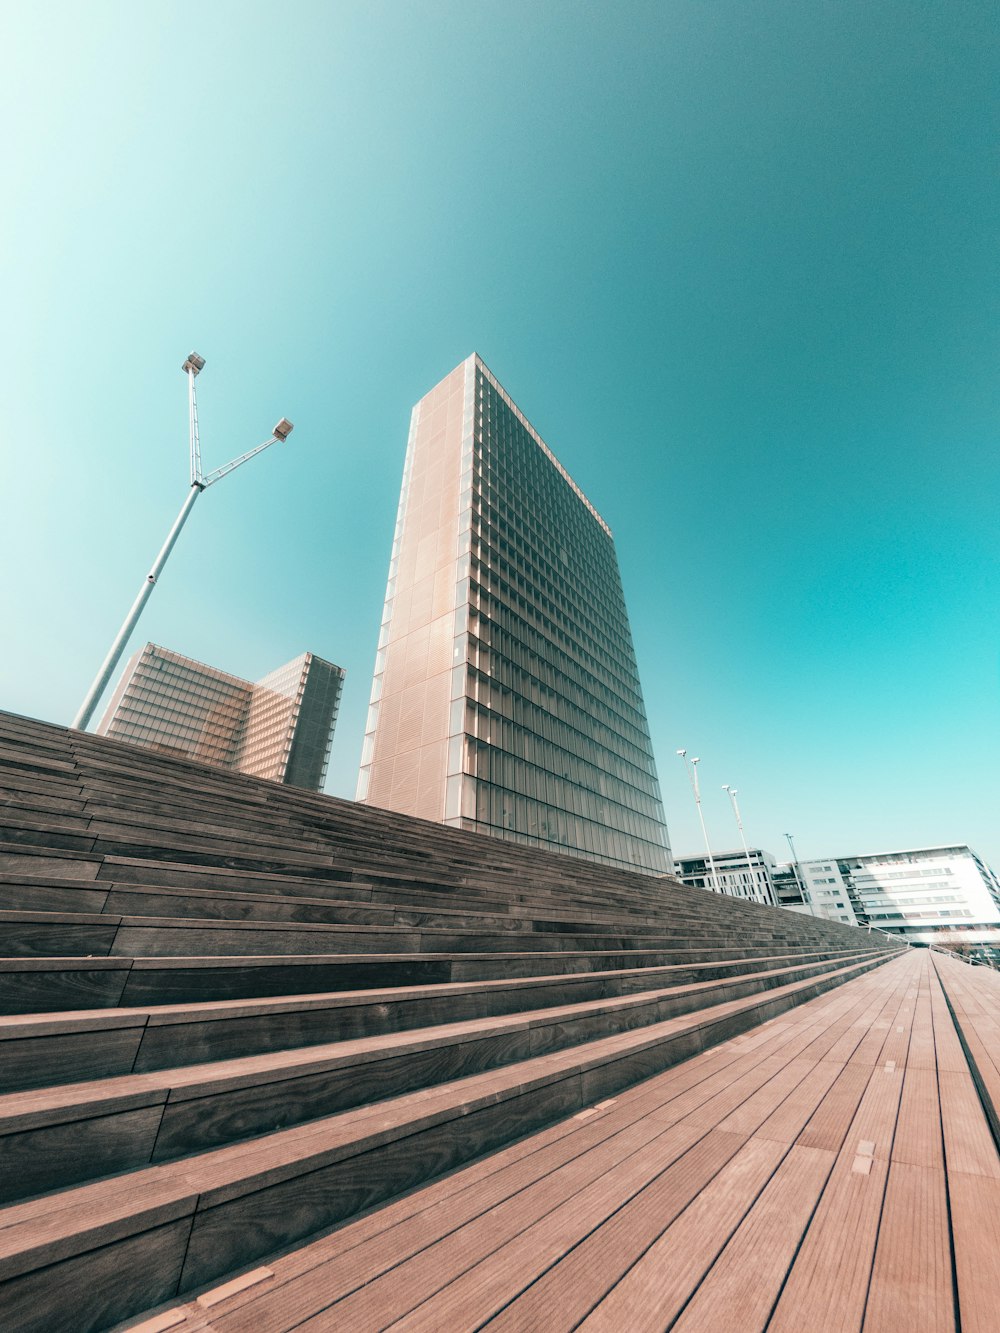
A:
(963, 958)
(890, 935)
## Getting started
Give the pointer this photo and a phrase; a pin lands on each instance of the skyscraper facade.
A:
(506, 698)
(280, 727)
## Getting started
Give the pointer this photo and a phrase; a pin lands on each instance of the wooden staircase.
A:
(233, 1014)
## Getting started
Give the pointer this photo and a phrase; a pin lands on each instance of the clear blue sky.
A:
(736, 262)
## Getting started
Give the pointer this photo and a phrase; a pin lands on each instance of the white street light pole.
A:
(199, 482)
(798, 872)
(743, 839)
(692, 771)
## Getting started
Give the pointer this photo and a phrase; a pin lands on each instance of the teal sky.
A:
(736, 262)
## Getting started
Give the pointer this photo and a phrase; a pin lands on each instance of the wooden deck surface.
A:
(833, 1169)
(239, 1021)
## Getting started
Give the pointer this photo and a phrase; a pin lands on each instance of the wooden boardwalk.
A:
(271, 1061)
(832, 1169)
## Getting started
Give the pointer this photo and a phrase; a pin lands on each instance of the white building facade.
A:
(826, 889)
(928, 895)
(731, 873)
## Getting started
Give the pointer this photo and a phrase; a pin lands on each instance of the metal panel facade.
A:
(280, 728)
(506, 697)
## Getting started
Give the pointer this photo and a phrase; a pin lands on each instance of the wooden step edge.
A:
(56, 1105)
(47, 1023)
(40, 1231)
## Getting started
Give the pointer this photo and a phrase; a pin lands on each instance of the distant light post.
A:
(743, 839)
(192, 367)
(692, 771)
(798, 872)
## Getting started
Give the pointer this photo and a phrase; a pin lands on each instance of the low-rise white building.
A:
(925, 893)
(734, 874)
(928, 895)
(827, 891)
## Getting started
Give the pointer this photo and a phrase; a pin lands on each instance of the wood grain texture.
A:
(743, 1283)
(911, 1286)
(546, 1057)
(975, 1219)
(94, 1290)
(656, 1288)
(58, 1156)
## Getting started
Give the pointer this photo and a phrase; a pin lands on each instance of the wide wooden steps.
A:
(48, 1048)
(133, 1119)
(831, 1169)
(233, 1015)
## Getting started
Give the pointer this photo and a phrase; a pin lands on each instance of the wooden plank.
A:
(921, 1053)
(785, 1123)
(573, 1286)
(969, 1146)
(20, 859)
(564, 1293)
(911, 1285)
(975, 1218)
(543, 1219)
(742, 1285)
(680, 1091)
(483, 1289)
(40, 1061)
(60, 1156)
(100, 1287)
(980, 1036)
(947, 1045)
(382, 1239)
(656, 1288)
(758, 1107)
(580, 1278)
(570, 1288)
(829, 1124)
(918, 1132)
(973, 1167)
(828, 1283)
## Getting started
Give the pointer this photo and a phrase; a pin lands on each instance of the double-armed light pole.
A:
(692, 771)
(192, 367)
(798, 870)
(743, 839)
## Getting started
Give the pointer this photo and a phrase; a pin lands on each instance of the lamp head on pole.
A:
(283, 429)
(194, 364)
(682, 753)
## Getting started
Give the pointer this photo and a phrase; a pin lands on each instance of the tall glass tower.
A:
(506, 698)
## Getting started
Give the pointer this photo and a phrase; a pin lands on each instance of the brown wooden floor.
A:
(833, 1169)
(234, 1016)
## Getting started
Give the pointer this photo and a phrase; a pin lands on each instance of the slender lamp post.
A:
(192, 366)
(798, 873)
(743, 836)
(692, 771)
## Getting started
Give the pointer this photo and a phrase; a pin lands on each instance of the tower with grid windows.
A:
(279, 728)
(506, 698)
